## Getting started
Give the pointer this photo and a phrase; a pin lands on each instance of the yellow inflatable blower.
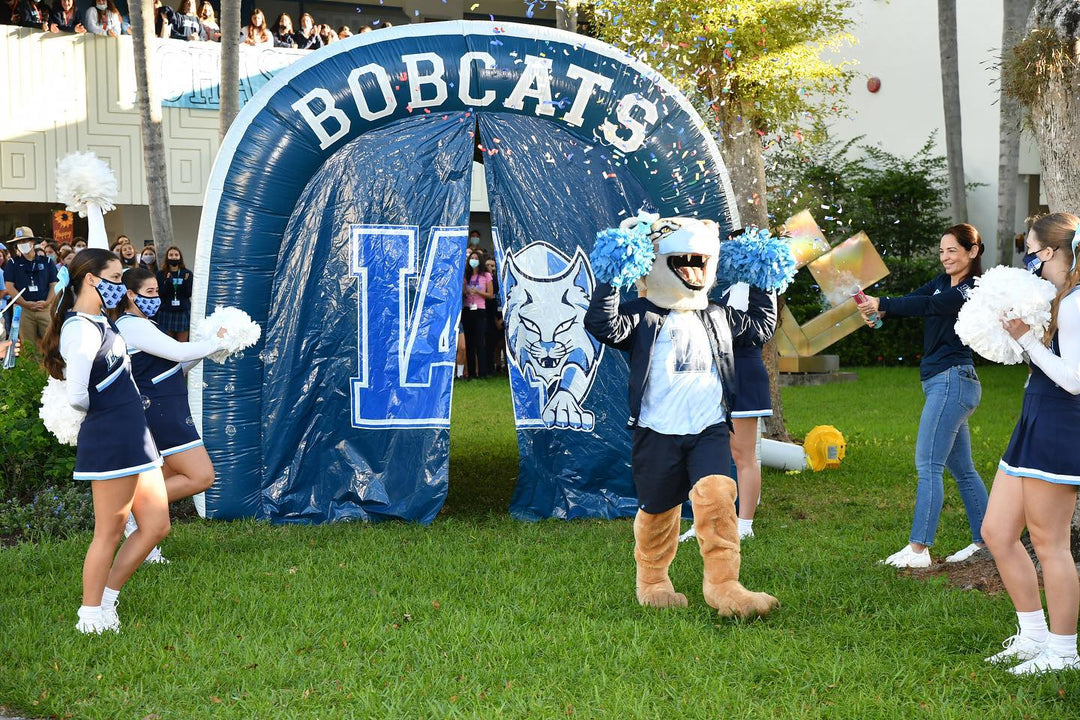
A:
(824, 447)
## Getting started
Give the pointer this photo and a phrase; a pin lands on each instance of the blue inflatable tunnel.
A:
(336, 215)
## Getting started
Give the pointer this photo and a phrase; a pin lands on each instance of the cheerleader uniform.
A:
(159, 366)
(1042, 445)
(114, 440)
(752, 398)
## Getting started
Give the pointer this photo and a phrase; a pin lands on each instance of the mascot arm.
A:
(757, 323)
(604, 321)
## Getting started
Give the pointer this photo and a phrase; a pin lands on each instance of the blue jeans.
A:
(951, 397)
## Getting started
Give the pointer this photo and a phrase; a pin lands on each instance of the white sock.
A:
(1033, 626)
(746, 526)
(460, 370)
(1061, 645)
(108, 598)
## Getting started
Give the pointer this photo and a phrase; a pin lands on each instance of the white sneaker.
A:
(90, 623)
(688, 535)
(964, 554)
(908, 558)
(130, 526)
(109, 619)
(1047, 663)
(156, 558)
(1018, 647)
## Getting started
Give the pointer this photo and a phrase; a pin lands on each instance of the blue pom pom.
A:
(757, 258)
(619, 257)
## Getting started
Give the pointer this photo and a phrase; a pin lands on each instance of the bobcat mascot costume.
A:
(682, 380)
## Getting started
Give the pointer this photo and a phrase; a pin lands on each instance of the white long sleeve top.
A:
(1063, 369)
(79, 345)
(142, 335)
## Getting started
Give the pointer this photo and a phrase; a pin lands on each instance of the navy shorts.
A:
(667, 466)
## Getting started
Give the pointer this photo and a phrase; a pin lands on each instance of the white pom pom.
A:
(85, 179)
(241, 332)
(1004, 293)
(59, 417)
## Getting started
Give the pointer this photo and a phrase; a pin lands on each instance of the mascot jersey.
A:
(684, 393)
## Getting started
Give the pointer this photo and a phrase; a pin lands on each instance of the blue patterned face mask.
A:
(111, 293)
(148, 306)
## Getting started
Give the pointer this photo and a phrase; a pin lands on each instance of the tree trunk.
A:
(153, 141)
(229, 97)
(741, 147)
(1057, 131)
(566, 15)
(1014, 15)
(950, 91)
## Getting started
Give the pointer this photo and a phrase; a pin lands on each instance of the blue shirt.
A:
(939, 303)
(34, 275)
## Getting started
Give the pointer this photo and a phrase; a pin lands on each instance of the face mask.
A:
(111, 293)
(101, 7)
(52, 258)
(1033, 264)
(24, 248)
(149, 258)
(473, 240)
(148, 306)
(474, 263)
(78, 250)
(174, 263)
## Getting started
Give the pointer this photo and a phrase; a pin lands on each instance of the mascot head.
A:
(685, 266)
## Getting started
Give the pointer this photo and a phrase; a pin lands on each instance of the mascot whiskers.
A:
(681, 384)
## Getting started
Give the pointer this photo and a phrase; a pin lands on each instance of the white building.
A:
(77, 92)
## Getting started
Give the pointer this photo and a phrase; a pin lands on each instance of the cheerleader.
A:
(115, 450)
(1039, 473)
(159, 365)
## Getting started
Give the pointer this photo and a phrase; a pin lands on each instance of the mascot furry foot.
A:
(713, 498)
(656, 538)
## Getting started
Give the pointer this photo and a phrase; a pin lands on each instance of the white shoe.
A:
(908, 558)
(688, 535)
(1047, 663)
(90, 623)
(1018, 647)
(109, 619)
(964, 554)
(130, 526)
(156, 558)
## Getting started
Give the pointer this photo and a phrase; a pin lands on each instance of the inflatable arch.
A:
(336, 215)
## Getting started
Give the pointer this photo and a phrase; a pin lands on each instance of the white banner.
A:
(189, 73)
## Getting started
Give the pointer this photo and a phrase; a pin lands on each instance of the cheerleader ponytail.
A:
(90, 261)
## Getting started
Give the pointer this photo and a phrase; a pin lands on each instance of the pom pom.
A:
(56, 413)
(85, 179)
(1004, 293)
(241, 332)
(757, 258)
(620, 256)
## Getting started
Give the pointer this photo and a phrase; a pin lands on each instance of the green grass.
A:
(481, 616)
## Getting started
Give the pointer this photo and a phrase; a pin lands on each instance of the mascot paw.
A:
(564, 412)
(661, 598)
(733, 600)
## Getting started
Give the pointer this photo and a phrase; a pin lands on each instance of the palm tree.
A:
(229, 103)
(566, 15)
(950, 91)
(153, 140)
(1015, 12)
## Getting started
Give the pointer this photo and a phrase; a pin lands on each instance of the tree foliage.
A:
(765, 59)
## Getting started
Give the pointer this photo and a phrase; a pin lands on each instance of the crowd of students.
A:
(190, 20)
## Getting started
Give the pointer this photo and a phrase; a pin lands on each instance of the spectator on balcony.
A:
(344, 32)
(256, 33)
(164, 19)
(104, 19)
(209, 21)
(28, 13)
(364, 29)
(307, 38)
(64, 18)
(186, 25)
(327, 34)
(284, 35)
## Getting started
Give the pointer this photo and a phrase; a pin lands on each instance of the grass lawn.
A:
(481, 616)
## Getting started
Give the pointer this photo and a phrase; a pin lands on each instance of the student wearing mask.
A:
(34, 274)
(478, 292)
(64, 18)
(115, 451)
(256, 33)
(159, 365)
(128, 257)
(148, 259)
(104, 19)
(307, 38)
(174, 288)
(284, 36)
(494, 340)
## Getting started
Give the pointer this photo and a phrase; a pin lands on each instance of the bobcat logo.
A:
(547, 295)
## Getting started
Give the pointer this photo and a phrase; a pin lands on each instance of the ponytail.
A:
(91, 261)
